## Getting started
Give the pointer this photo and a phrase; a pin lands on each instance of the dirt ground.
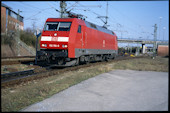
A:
(18, 97)
(15, 68)
(10, 51)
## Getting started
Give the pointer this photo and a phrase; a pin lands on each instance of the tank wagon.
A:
(70, 41)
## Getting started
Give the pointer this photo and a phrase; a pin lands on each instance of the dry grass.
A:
(15, 68)
(145, 64)
(18, 97)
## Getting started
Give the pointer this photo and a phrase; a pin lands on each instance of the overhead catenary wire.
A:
(37, 13)
(116, 22)
(73, 5)
(138, 25)
(133, 21)
(73, 8)
(33, 15)
(142, 28)
(90, 10)
(31, 6)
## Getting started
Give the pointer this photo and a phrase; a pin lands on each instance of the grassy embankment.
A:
(18, 97)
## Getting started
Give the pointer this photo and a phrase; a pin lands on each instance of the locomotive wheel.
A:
(114, 57)
(103, 58)
(107, 58)
(87, 60)
(60, 61)
(77, 62)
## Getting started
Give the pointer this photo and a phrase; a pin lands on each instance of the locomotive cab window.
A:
(79, 29)
(64, 26)
(51, 26)
(57, 26)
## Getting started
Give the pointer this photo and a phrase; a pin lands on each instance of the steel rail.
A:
(16, 74)
(9, 79)
(16, 57)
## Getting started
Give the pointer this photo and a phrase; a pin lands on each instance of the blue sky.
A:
(128, 19)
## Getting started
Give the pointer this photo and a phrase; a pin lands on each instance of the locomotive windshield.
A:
(57, 26)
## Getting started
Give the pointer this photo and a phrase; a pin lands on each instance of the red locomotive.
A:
(69, 41)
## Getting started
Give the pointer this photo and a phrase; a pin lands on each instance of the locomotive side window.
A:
(113, 33)
(79, 29)
(93, 25)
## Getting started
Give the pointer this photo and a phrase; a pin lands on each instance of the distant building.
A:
(149, 49)
(10, 20)
(163, 50)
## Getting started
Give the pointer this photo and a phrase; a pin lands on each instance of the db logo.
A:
(54, 39)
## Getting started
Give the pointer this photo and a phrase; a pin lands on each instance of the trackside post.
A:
(37, 35)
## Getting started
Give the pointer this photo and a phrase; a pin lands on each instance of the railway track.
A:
(17, 57)
(17, 60)
(16, 78)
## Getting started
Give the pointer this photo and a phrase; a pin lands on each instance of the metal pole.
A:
(62, 8)
(18, 35)
(37, 35)
(36, 48)
(160, 28)
(155, 38)
(163, 32)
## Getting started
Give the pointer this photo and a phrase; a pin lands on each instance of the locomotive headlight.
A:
(44, 45)
(64, 46)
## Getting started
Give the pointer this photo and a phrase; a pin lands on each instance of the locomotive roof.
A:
(100, 28)
(90, 25)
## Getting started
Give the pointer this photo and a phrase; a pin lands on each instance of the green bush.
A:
(28, 37)
(7, 40)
